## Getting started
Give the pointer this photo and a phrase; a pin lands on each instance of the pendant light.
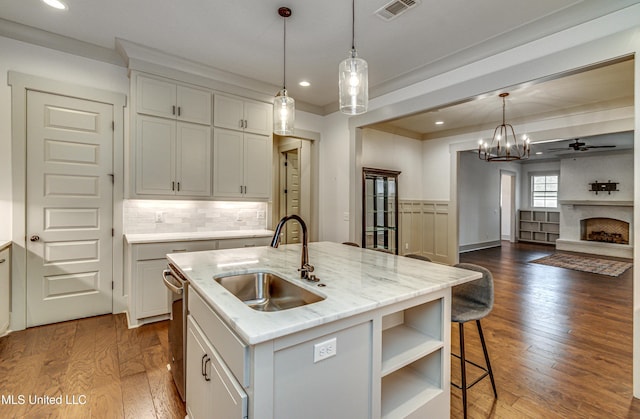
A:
(283, 105)
(353, 77)
(504, 145)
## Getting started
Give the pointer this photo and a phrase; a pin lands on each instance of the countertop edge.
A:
(4, 244)
(139, 238)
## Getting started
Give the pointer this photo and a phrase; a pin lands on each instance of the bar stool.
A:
(472, 301)
(419, 257)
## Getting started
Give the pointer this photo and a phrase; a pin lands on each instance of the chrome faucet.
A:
(305, 267)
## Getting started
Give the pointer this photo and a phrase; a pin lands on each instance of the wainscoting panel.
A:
(424, 228)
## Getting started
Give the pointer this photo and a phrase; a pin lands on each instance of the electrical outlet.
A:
(406, 246)
(324, 350)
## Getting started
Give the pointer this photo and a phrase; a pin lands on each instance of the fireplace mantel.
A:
(598, 203)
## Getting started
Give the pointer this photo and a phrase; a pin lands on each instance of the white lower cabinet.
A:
(212, 390)
(5, 289)
(149, 299)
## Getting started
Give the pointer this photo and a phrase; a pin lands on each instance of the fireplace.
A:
(604, 230)
(597, 227)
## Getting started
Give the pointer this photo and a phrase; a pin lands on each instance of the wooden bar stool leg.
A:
(463, 371)
(486, 357)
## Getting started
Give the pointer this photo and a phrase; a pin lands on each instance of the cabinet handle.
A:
(178, 182)
(204, 367)
(242, 123)
(173, 110)
(179, 111)
(246, 124)
(173, 186)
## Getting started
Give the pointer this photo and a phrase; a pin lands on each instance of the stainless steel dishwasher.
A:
(179, 286)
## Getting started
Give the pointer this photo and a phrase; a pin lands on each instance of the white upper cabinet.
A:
(242, 114)
(172, 158)
(171, 100)
(242, 164)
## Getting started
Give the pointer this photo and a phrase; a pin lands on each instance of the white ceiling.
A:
(245, 37)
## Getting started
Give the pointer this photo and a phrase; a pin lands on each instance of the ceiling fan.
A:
(577, 145)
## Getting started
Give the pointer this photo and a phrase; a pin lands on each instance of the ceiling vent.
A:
(395, 8)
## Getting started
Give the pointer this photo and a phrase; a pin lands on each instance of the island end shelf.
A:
(392, 358)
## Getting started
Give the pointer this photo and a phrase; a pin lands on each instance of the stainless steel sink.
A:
(264, 291)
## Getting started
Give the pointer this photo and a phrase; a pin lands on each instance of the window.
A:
(544, 191)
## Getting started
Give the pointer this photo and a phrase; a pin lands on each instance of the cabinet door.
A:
(194, 105)
(257, 166)
(258, 117)
(212, 391)
(228, 112)
(155, 159)
(5, 288)
(156, 97)
(228, 148)
(193, 165)
(152, 295)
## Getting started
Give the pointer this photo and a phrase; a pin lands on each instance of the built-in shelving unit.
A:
(412, 359)
(539, 226)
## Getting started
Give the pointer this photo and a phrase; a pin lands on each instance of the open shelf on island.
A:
(402, 345)
(409, 389)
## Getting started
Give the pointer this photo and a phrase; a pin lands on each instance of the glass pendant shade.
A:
(354, 85)
(284, 113)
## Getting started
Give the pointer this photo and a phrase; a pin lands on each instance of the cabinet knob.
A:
(34, 238)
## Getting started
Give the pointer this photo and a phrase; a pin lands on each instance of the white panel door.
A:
(69, 208)
(193, 166)
(257, 166)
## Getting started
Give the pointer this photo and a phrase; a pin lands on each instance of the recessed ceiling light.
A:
(304, 83)
(539, 152)
(56, 4)
(439, 122)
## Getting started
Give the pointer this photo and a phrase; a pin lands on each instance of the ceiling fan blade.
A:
(599, 146)
(561, 149)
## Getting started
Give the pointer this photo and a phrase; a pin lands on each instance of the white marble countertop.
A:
(4, 244)
(356, 281)
(200, 235)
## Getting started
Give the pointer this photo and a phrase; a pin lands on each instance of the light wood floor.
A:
(560, 342)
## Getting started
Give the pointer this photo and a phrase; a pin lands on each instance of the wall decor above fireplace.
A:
(604, 187)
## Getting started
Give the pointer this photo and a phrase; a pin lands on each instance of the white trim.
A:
(21, 83)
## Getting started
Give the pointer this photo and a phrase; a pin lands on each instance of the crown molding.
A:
(35, 36)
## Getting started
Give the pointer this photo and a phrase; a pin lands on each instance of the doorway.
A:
(294, 186)
(508, 206)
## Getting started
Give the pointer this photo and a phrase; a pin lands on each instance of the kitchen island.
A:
(377, 345)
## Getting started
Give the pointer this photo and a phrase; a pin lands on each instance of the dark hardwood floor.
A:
(560, 342)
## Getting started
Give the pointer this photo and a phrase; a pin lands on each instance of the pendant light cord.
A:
(284, 55)
(353, 26)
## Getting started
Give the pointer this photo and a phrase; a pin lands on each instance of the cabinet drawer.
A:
(159, 250)
(238, 243)
(233, 350)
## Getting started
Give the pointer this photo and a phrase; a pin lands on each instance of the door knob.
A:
(34, 238)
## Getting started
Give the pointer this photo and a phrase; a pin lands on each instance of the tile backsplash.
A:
(154, 216)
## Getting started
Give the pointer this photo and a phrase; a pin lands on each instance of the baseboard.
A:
(478, 246)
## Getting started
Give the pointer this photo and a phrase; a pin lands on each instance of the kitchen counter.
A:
(355, 281)
(200, 235)
(4, 244)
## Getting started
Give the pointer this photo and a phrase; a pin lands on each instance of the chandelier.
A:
(504, 145)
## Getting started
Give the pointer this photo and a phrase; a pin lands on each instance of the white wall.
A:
(436, 169)
(576, 174)
(382, 150)
(30, 59)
